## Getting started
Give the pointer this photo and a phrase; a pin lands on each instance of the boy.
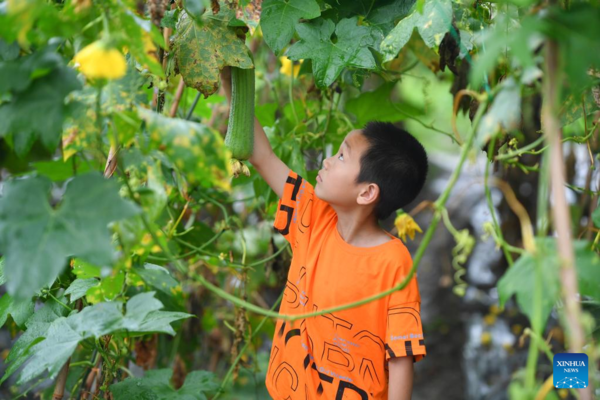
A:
(341, 255)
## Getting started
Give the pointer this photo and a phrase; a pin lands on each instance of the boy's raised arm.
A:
(265, 161)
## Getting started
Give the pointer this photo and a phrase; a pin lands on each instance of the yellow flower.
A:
(98, 61)
(406, 225)
(286, 66)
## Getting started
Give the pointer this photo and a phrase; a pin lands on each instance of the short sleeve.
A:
(404, 329)
(298, 210)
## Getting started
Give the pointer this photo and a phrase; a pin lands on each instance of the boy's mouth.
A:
(319, 179)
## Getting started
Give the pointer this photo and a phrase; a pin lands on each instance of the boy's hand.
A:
(226, 82)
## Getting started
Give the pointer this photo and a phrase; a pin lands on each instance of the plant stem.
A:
(488, 196)
(560, 210)
(59, 389)
(195, 102)
(291, 94)
(177, 99)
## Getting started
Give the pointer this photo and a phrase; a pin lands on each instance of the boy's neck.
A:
(361, 232)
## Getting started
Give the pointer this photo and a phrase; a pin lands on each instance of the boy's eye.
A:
(341, 155)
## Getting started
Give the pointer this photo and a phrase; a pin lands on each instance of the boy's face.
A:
(335, 182)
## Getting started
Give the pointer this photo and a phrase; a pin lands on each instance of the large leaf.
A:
(19, 310)
(432, 25)
(45, 97)
(520, 279)
(278, 18)
(53, 339)
(16, 74)
(201, 51)
(156, 385)
(196, 150)
(384, 16)
(37, 239)
(37, 327)
(329, 58)
(377, 105)
(577, 31)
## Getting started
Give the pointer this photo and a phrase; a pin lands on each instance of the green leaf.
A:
(520, 278)
(577, 31)
(195, 8)
(202, 51)
(170, 18)
(79, 287)
(35, 235)
(329, 58)
(432, 25)
(9, 51)
(384, 16)
(51, 353)
(59, 170)
(84, 270)
(158, 277)
(587, 263)
(571, 108)
(52, 338)
(160, 321)
(377, 105)
(156, 385)
(278, 18)
(44, 97)
(505, 112)
(16, 74)
(196, 150)
(5, 305)
(19, 310)
(37, 327)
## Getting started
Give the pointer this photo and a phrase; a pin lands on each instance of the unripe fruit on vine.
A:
(240, 129)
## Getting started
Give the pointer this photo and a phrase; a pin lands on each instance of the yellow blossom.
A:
(286, 66)
(96, 60)
(406, 225)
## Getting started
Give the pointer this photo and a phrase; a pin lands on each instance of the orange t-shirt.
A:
(340, 355)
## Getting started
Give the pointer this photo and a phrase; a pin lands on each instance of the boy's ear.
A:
(369, 194)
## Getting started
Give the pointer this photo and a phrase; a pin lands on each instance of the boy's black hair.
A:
(396, 162)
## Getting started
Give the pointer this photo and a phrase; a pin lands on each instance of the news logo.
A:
(570, 370)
